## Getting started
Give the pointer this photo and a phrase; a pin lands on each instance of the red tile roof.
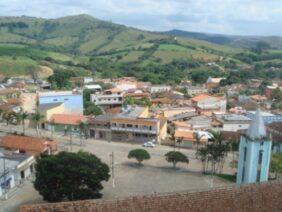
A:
(200, 97)
(28, 144)
(67, 119)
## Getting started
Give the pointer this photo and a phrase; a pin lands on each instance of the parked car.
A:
(149, 144)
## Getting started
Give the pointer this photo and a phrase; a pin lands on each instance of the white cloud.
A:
(217, 16)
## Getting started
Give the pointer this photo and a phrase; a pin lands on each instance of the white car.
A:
(149, 144)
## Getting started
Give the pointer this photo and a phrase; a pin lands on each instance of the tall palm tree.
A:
(179, 141)
(82, 130)
(8, 117)
(37, 118)
(23, 116)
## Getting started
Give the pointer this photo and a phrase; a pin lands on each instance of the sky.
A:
(238, 17)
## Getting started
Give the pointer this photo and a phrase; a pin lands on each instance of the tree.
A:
(70, 176)
(214, 152)
(8, 117)
(83, 126)
(175, 157)
(37, 118)
(128, 101)
(91, 109)
(179, 141)
(139, 155)
(21, 117)
(276, 164)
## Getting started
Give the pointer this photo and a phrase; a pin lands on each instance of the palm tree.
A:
(37, 118)
(8, 117)
(23, 116)
(179, 141)
(82, 130)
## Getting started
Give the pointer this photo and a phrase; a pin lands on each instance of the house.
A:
(207, 104)
(126, 83)
(188, 138)
(109, 98)
(95, 88)
(79, 81)
(100, 127)
(137, 95)
(66, 122)
(178, 113)
(233, 122)
(7, 93)
(258, 98)
(14, 168)
(159, 88)
(213, 83)
(135, 124)
(73, 100)
(200, 122)
(254, 83)
(47, 110)
(28, 145)
(196, 90)
(268, 117)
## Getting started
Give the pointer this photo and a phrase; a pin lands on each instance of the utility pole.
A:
(70, 139)
(113, 168)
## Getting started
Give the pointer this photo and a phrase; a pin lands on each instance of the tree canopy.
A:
(70, 176)
(139, 154)
(175, 157)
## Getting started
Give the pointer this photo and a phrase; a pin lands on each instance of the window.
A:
(66, 99)
(261, 143)
(245, 153)
(55, 100)
(129, 125)
(243, 174)
(260, 157)
(258, 175)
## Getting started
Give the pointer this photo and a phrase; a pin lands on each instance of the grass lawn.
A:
(228, 177)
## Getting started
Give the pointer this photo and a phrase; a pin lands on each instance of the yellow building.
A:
(135, 124)
(50, 109)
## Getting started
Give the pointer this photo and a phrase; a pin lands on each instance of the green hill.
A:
(90, 45)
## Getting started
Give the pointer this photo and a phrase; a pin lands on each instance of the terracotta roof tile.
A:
(28, 144)
(67, 119)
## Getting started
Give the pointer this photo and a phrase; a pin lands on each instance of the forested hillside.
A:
(86, 45)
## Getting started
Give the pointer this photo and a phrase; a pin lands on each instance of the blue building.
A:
(73, 101)
(254, 153)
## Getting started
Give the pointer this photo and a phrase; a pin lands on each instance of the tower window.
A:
(243, 174)
(258, 175)
(260, 157)
(245, 153)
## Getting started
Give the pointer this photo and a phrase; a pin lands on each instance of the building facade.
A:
(73, 101)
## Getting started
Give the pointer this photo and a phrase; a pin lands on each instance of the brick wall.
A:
(253, 197)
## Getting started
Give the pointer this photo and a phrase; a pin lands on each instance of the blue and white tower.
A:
(254, 153)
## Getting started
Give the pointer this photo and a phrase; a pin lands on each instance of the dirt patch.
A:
(44, 72)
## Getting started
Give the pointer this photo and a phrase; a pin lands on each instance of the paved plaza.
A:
(155, 175)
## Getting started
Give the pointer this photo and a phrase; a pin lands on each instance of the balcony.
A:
(131, 129)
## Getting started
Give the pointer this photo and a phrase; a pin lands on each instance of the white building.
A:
(109, 97)
(14, 168)
(233, 122)
(160, 88)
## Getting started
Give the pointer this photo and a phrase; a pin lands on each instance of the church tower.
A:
(254, 153)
